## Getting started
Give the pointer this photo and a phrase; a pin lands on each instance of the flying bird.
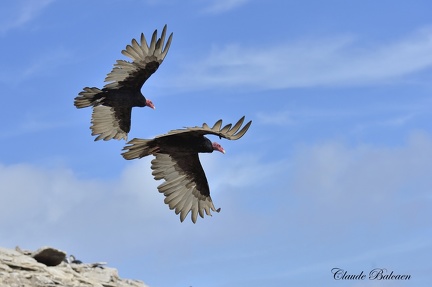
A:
(112, 105)
(176, 161)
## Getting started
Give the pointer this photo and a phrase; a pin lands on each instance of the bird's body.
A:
(112, 105)
(181, 143)
(176, 161)
(127, 97)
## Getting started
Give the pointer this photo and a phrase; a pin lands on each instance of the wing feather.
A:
(167, 46)
(145, 61)
(240, 133)
(225, 129)
(153, 42)
(136, 47)
(161, 40)
(131, 52)
(217, 125)
(109, 123)
(185, 188)
(185, 206)
(236, 127)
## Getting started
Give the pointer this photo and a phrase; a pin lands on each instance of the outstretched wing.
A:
(111, 122)
(185, 187)
(229, 132)
(145, 61)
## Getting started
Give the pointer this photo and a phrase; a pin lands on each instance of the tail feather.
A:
(88, 97)
(138, 148)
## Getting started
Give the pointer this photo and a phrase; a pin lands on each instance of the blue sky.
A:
(335, 170)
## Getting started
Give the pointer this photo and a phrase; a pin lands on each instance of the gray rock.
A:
(45, 267)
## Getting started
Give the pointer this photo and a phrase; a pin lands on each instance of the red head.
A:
(218, 147)
(150, 104)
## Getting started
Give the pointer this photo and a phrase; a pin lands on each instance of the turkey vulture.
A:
(185, 188)
(112, 106)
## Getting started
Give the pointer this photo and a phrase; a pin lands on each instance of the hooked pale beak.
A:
(150, 104)
(218, 147)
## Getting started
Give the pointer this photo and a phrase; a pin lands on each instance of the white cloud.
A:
(238, 172)
(36, 199)
(318, 62)
(26, 12)
(367, 185)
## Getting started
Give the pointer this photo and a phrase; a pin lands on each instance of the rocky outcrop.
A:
(49, 267)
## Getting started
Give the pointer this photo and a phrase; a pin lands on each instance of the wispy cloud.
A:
(46, 62)
(347, 181)
(31, 124)
(40, 65)
(59, 193)
(25, 12)
(220, 6)
(304, 63)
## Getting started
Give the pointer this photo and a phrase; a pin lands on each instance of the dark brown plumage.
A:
(112, 105)
(176, 161)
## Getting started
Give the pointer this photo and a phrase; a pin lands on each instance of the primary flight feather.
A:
(112, 105)
(176, 161)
